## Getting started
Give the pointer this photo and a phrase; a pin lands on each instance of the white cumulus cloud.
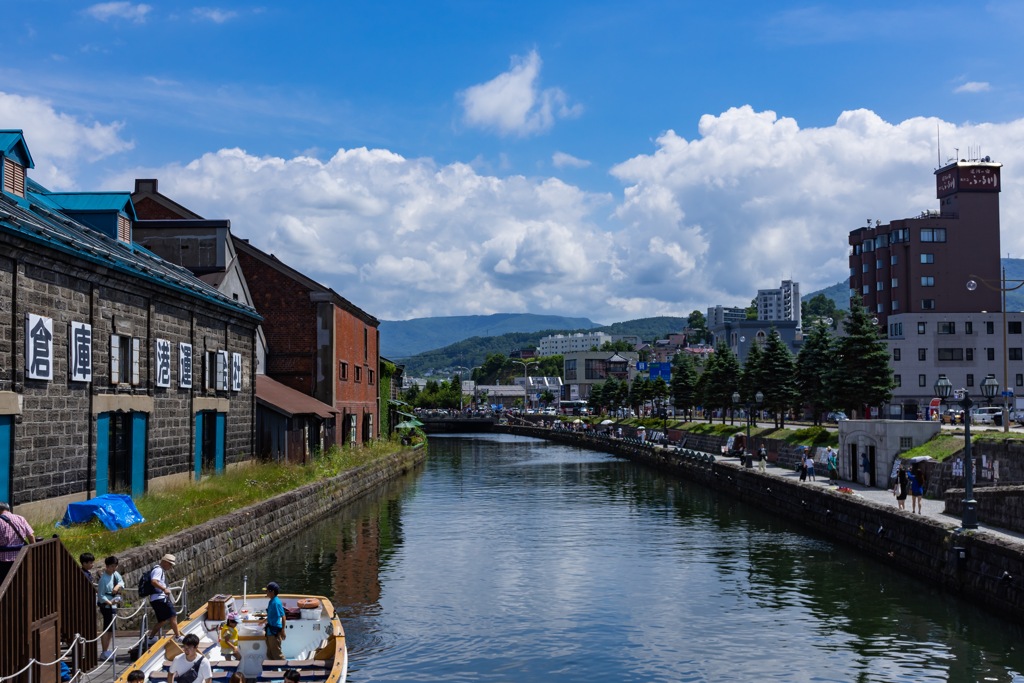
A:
(512, 103)
(750, 199)
(105, 11)
(60, 144)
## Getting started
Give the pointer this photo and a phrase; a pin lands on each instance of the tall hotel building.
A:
(912, 275)
(922, 264)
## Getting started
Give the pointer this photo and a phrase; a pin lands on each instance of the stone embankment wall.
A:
(982, 566)
(206, 550)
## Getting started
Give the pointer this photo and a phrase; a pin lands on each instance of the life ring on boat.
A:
(308, 603)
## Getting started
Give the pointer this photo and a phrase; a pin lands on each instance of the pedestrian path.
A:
(932, 508)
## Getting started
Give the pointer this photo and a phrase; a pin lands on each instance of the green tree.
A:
(721, 379)
(659, 391)
(821, 307)
(862, 376)
(752, 378)
(699, 324)
(547, 397)
(684, 383)
(814, 365)
(620, 345)
(752, 309)
(778, 376)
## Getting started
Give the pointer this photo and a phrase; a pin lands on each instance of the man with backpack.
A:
(160, 598)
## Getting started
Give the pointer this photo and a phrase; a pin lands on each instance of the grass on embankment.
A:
(173, 510)
(805, 436)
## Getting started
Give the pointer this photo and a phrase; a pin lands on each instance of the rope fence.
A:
(179, 596)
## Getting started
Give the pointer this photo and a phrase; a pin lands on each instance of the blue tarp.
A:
(115, 511)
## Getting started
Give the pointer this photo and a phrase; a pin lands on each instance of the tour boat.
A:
(314, 646)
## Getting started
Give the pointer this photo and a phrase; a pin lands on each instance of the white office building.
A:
(782, 303)
(561, 344)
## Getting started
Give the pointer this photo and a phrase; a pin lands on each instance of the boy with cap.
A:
(161, 601)
(274, 623)
(229, 638)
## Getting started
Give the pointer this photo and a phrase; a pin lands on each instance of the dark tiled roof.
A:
(40, 221)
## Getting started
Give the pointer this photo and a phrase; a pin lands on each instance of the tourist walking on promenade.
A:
(762, 458)
(803, 465)
(810, 466)
(916, 477)
(902, 487)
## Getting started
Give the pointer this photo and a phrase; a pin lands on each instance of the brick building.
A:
(290, 425)
(318, 343)
(119, 371)
(923, 264)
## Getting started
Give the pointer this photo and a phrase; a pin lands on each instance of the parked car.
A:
(987, 416)
(836, 416)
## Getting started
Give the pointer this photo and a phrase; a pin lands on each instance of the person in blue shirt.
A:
(274, 623)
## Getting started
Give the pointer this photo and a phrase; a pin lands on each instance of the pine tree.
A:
(722, 378)
(814, 366)
(684, 382)
(863, 377)
(779, 378)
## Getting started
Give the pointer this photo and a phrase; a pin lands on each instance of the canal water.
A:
(514, 559)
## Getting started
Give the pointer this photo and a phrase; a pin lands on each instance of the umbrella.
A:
(641, 427)
(920, 458)
(577, 421)
(607, 422)
(408, 424)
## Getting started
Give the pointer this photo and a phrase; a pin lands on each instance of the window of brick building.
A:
(343, 370)
(125, 355)
(359, 374)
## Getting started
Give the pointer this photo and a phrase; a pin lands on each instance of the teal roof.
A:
(39, 220)
(94, 201)
(12, 144)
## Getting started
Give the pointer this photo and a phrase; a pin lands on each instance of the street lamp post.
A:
(526, 379)
(1003, 288)
(943, 389)
(747, 452)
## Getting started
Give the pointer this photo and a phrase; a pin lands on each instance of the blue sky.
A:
(604, 159)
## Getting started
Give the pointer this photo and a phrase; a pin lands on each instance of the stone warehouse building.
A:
(119, 372)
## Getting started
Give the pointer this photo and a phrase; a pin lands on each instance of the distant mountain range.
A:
(425, 344)
(400, 339)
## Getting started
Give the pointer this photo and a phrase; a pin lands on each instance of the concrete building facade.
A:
(561, 344)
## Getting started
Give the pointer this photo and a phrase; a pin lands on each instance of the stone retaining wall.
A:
(1001, 506)
(206, 550)
(978, 565)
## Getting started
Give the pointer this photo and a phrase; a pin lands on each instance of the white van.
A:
(987, 415)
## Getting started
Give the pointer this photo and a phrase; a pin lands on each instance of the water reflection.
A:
(512, 559)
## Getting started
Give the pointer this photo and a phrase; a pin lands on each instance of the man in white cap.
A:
(161, 601)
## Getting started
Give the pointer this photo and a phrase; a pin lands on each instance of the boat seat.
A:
(300, 664)
(225, 664)
(305, 675)
(218, 675)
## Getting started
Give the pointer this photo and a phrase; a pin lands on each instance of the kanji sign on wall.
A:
(185, 365)
(80, 352)
(236, 372)
(163, 363)
(39, 347)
